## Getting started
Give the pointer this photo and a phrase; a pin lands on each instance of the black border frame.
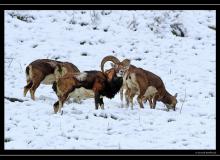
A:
(107, 152)
(109, 2)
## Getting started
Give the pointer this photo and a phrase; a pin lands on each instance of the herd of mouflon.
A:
(69, 82)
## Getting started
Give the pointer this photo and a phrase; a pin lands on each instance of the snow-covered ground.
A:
(185, 64)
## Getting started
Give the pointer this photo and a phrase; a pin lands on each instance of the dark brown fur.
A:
(137, 81)
(145, 79)
(139, 85)
(37, 70)
(103, 84)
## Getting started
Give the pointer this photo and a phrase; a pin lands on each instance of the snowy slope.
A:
(184, 64)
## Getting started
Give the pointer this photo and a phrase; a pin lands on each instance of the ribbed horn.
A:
(108, 58)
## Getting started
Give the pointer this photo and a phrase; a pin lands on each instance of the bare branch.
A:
(11, 59)
(14, 99)
(183, 101)
(212, 27)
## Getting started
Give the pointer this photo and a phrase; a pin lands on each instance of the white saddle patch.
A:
(82, 93)
(151, 91)
(81, 76)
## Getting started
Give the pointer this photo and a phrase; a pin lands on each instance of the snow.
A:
(185, 64)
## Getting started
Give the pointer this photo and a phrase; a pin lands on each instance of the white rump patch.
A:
(80, 76)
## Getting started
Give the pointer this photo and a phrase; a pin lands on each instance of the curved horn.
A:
(108, 58)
